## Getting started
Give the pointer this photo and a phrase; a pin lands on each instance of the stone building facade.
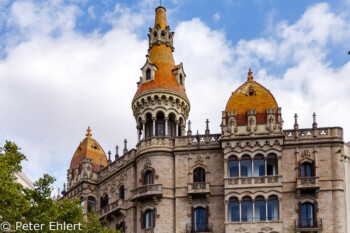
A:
(253, 177)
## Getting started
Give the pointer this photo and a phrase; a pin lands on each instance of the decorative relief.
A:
(267, 228)
(198, 159)
(147, 163)
(241, 229)
(308, 180)
(306, 154)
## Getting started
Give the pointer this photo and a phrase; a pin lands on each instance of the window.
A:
(246, 166)
(199, 174)
(120, 226)
(272, 208)
(91, 204)
(306, 169)
(200, 219)
(148, 74)
(233, 170)
(171, 126)
(260, 208)
(307, 215)
(259, 165)
(233, 209)
(104, 201)
(148, 219)
(122, 192)
(148, 177)
(272, 165)
(149, 126)
(247, 209)
(160, 125)
(181, 79)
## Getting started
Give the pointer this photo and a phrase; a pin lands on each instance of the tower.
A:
(160, 105)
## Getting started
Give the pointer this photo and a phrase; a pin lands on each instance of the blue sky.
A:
(65, 65)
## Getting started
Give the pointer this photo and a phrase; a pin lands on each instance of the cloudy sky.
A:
(69, 64)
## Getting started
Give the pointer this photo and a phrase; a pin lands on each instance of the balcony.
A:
(147, 192)
(198, 188)
(198, 228)
(308, 225)
(308, 184)
(236, 182)
(118, 205)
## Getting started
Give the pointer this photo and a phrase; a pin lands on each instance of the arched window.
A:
(272, 208)
(200, 219)
(148, 219)
(160, 125)
(259, 165)
(307, 215)
(122, 192)
(246, 166)
(148, 177)
(91, 204)
(199, 174)
(104, 201)
(233, 209)
(233, 169)
(171, 126)
(181, 79)
(149, 126)
(306, 169)
(260, 208)
(121, 226)
(272, 165)
(148, 74)
(247, 209)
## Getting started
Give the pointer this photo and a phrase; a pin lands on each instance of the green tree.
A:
(25, 206)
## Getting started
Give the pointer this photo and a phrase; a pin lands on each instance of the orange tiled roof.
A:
(162, 57)
(89, 148)
(251, 95)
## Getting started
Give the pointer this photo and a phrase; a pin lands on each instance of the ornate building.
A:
(253, 177)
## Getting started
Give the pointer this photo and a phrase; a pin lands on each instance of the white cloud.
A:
(216, 17)
(52, 88)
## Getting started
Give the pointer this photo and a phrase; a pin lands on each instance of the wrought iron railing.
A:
(199, 227)
(308, 223)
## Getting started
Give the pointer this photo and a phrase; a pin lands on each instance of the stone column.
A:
(154, 126)
(240, 210)
(143, 129)
(225, 168)
(265, 163)
(253, 210)
(177, 128)
(166, 126)
(226, 211)
(239, 168)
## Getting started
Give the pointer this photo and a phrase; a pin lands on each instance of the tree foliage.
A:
(25, 206)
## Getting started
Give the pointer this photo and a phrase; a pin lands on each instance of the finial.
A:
(250, 75)
(116, 152)
(207, 131)
(109, 155)
(58, 193)
(125, 148)
(314, 124)
(296, 126)
(64, 187)
(88, 132)
(189, 131)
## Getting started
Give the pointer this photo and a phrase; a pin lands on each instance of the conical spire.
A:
(160, 17)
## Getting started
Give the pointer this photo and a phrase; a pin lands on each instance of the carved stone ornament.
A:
(148, 162)
(240, 229)
(305, 154)
(198, 159)
(267, 228)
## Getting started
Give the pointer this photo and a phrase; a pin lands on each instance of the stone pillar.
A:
(177, 128)
(143, 129)
(154, 126)
(226, 211)
(240, 210)
(265, 163)
(253, 201)
(225, 168)
(166, 126)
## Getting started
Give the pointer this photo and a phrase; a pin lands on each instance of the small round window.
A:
(251, 93)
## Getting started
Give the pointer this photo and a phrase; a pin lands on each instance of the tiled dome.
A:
(89, 148)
